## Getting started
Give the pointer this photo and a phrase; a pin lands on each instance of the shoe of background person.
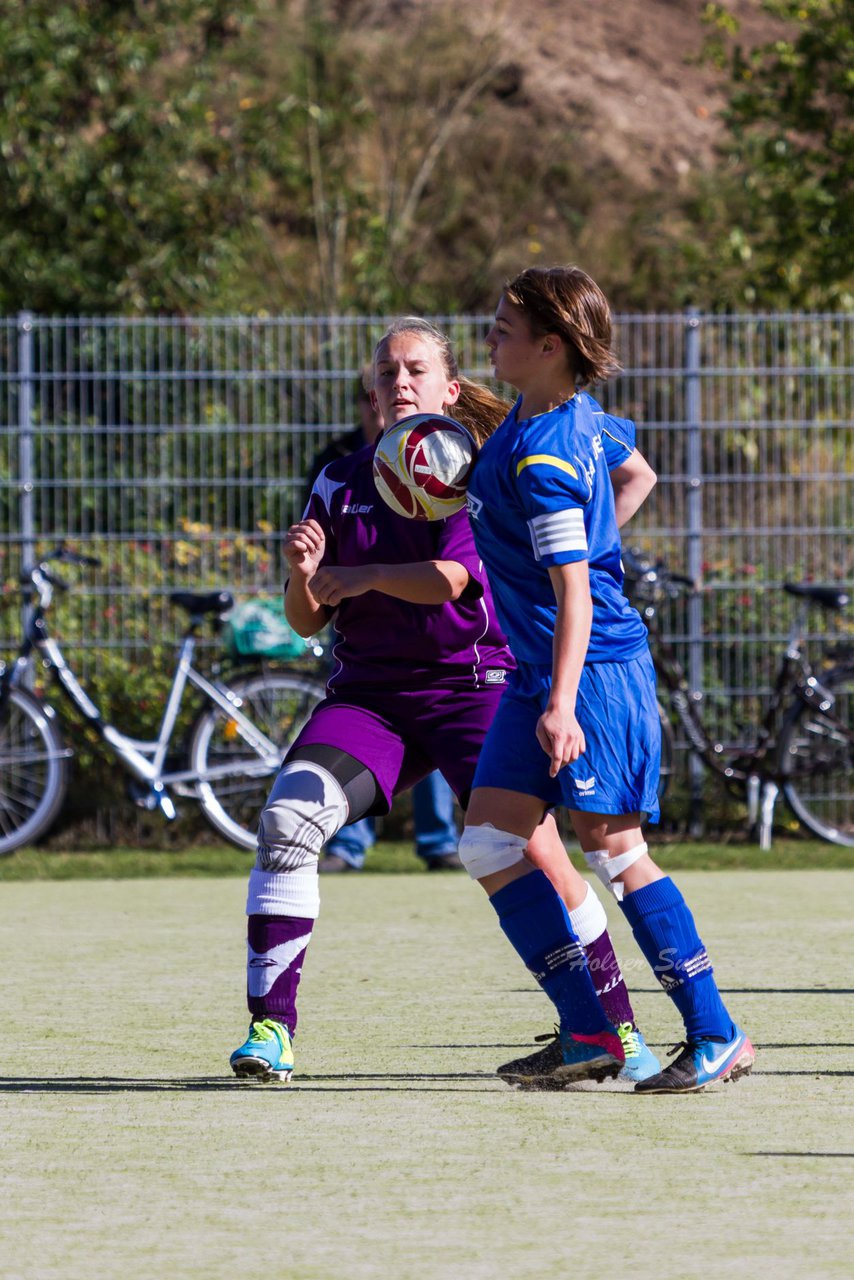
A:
(444, 862)
(702, 1062)
(641, 1062)
(566, 1059)
(333, 863)
(266, 1054)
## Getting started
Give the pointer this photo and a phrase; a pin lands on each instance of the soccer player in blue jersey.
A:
(420, 662)
(578, 723)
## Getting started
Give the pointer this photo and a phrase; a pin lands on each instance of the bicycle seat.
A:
(197, 604)
(827, 597)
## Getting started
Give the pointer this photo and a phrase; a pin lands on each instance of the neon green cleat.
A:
(266, 1055)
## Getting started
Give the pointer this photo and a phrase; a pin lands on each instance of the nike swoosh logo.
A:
(712, 1064)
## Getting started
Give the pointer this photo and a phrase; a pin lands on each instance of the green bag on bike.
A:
(259, 629)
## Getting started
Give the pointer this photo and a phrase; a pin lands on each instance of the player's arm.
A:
(304, 545)
(558, 731)
(425, 582)
(633, 481)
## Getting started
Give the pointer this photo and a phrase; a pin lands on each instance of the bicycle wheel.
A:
(816, 760)
(33, 770)
(276, 703)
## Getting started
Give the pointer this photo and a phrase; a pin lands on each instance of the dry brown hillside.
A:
(628, 62)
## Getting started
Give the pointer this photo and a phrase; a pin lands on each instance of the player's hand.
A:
(561, 737)
(333, 583)
(304, 545)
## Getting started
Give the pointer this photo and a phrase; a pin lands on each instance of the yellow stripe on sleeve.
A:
(549, 460)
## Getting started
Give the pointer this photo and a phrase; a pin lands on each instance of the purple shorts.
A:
(401, 737)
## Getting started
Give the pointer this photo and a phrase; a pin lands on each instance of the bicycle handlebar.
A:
(644, 573)
(64, 555)
(67, 556)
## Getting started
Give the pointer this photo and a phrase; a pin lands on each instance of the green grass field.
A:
(128, 1149)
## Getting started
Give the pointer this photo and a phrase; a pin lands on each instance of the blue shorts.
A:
(618, 711)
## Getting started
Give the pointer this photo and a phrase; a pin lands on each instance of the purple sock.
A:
(608, 980)
(277, 945)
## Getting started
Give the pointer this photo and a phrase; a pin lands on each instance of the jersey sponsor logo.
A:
(495, 675)
(474, 506)
(357, 508)
(588, 466)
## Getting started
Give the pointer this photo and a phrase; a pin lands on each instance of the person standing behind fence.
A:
(436, 834)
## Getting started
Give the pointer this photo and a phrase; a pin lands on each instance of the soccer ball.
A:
(422, 466)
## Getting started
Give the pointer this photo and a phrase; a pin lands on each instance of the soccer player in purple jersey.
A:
(578, 722)
(420, 662)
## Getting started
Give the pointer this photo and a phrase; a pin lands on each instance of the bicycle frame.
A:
(757, 768)
(144, 759)
(740, 763)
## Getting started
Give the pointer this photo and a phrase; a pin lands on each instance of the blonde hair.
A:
(477, 408)
(566, 301)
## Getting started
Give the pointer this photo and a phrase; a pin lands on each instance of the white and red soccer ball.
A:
(422, 466)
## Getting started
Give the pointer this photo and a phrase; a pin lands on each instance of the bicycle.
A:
(234, 748)
(804, 743)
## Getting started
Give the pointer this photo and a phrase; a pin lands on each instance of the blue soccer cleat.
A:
(590, 1057)
(702, 1062)
(536, 1070)
(641, 1062)
(266, 1055)
(565, 1059)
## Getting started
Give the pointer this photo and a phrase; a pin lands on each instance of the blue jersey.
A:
(618, 434)
(541, 495)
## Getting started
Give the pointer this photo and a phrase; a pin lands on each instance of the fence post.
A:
(26, 484)
(694, 513)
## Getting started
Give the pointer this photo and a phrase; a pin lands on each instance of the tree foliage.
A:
(274, 155)
(116, 193)
(782, 207)
(199, 156)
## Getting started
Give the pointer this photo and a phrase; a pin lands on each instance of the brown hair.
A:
(477, 408)
(566, 301)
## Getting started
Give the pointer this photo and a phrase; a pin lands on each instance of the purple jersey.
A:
(382, 642)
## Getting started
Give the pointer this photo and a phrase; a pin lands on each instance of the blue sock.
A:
(664, 930)
(536, 923)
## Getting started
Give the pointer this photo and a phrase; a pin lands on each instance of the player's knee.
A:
(306, 807)
(485, 850)
(608, 868)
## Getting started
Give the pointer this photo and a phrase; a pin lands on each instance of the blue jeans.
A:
(435, 828)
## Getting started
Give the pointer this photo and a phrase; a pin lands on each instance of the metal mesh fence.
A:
(176, 450)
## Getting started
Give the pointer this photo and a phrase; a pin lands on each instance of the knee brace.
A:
(305, 809)
(607, 868)
(484, 850)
